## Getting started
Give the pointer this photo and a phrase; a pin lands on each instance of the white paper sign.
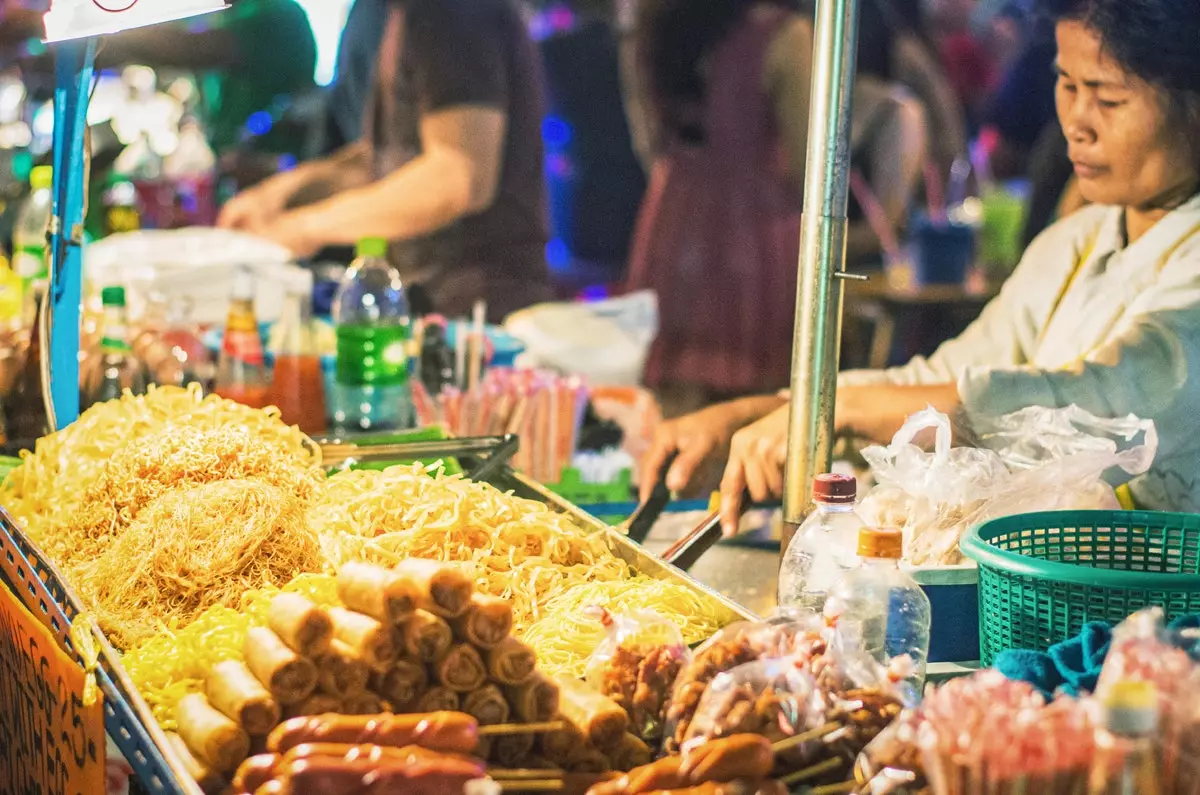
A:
(77, 19)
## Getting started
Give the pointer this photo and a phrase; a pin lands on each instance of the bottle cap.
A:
(1131, 707)
(371, 247)
(41, 177)
(880, 543)
(834, 489)
(113, 296)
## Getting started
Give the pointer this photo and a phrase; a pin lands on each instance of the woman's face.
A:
(1126, 146)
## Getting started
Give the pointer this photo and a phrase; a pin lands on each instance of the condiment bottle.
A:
(241, 370)
(298, 386)
(1125, 762)
(880, 609)
(823, 549)
(25, 408)
(119, 368)
(371, 318)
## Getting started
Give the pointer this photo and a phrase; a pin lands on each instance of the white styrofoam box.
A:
(195, 265)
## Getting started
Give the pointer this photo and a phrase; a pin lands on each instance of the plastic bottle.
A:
(1125, 762)
(880, 609)
(241, 370)
(824, 547)
(298, 386)
(119, 368)
(29, 235)
(437, 358)
(25, 409)
(371, 318)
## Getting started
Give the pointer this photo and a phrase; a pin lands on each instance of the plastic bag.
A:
(891, 763)
(636, 665)
(1036, 459)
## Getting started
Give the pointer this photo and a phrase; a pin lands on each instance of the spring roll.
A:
(508, 750)
(316, 704)
(387, 596)
(443, 588)
(597, 717)
(302, 625)
(590, 760)
(364, 703)
(209, 780)
(461, 669)
(486, 623)
(289, 677)
(630, 752)
(375, 643)
(426, 637)
(213, 738)
(341, 671)
(438, 699)
(234, 692)
(536, 701)
(486, 705)
(511, 662)
(562, 746)
(403, 684)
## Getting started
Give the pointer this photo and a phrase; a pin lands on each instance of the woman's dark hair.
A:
(1154, 39)
(674, 39)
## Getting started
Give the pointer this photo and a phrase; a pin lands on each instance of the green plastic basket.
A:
(1042, 576)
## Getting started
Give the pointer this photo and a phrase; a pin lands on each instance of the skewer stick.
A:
(833, 763)
(808, 736)
(513, 774)
(521, 728)
(834, 789)
(532, 785)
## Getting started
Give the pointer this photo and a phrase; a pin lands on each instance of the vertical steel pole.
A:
(817, 330)
(74, 61)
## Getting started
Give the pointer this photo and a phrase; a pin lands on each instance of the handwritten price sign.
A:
(50, 743)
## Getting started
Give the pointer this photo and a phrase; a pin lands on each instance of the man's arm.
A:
(456, 175)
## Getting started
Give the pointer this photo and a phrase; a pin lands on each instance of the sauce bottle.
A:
(241, 370)
(298, 386)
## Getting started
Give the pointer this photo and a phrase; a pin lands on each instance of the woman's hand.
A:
(698, 439)
(756, 461)
(253, 209)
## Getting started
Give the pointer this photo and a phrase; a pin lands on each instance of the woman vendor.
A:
(1104, 309)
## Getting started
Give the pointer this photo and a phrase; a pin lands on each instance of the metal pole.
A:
(817, 330)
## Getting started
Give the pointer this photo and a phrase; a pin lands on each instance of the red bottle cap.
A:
(834, 489)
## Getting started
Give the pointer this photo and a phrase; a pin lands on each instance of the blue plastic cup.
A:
(942, 252)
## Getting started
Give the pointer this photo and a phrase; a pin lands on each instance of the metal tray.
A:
(128, 718)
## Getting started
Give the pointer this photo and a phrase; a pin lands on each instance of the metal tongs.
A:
(338, 454)
(643, 519)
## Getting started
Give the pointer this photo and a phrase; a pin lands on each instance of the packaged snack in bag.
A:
(988, 734)
(891, 763)
(636, 665)
(735, 645)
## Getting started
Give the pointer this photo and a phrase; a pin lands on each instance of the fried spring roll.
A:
(629, 753)
(486, 705)
(364, 703)
(561, 746)
(341, 671)
(487, 622)
(254, 772)
(509, 749)
(385, 595)
(209, 780)
(375, 643)
(316, 704)
(438, 699)
(403, 684)
(234, 692)
(289, 677)
(590, 760)
(302, 625)
(443, 588)
(511, 662)
(460, 669)
(426, 637)
(213, 738)
(597, 717)
(536, 701)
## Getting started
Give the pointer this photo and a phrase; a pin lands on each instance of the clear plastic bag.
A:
(891, 763)
(636, 665)
(1036, 459)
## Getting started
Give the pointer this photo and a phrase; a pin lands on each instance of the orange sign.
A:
(50, 743)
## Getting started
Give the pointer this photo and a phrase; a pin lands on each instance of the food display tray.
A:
(128, 719)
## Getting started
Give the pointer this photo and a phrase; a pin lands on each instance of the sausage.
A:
(255, 771)
(410, 754)
(327, 776)
(740, 756)
(662, 774)
(452, 732)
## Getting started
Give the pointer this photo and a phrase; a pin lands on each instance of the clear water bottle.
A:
(824, 547)
(371, 318)
(879, 609)
(29, 235)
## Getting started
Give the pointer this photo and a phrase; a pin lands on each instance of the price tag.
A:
(50, 743)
